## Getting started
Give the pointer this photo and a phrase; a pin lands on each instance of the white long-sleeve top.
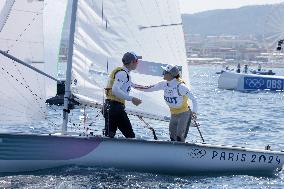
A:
(122, 85)
(173, 93)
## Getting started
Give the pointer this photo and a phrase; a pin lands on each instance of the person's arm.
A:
(120, 79)
(150, 88)
(183, 90)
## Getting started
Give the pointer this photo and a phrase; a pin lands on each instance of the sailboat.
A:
(100, 32)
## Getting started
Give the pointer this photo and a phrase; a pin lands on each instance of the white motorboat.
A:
(250, 82)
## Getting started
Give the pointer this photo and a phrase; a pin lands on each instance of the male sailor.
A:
(176, 95)
(117, 91)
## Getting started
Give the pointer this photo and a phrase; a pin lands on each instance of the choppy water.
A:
(226, 117)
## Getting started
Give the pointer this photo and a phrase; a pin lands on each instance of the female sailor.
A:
(176, 95)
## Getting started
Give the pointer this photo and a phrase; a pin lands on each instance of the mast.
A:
(69, 67)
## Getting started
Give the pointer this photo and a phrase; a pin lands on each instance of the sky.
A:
(194, 6)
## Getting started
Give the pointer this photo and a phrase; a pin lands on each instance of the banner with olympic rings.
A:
(254, 83)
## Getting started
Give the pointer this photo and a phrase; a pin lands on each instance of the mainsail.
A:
(53, 10)
(22, 94)
(106, 29)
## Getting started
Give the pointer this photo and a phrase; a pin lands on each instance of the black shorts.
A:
(116, 118)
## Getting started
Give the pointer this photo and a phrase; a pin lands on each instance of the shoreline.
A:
(254, 65)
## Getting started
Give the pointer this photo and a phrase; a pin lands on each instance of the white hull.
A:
(20, 153)
(247, 82)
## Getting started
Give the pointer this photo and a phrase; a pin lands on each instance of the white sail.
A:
(53, 9)
(22, 94)
(105, 30)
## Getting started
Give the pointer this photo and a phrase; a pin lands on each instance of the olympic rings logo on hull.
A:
(254, 83)
(263, 83)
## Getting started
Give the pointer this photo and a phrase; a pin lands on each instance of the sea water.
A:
(254, 120)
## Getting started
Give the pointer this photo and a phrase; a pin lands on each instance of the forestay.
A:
(105, 30)
(22, 94)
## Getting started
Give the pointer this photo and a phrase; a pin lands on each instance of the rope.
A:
(148, 127)
(24, 86)
(197, 126)
(18, 91)
(27, 27)
(28, 87)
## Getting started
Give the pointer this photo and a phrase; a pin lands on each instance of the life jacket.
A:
(177, 103)
(108, 90)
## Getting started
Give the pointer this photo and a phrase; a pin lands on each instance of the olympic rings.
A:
(254, 83)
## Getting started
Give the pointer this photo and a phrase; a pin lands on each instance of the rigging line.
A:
(93, 122)
(26, 28)
(148, 127)
(197, 126)
(41, 90)
(13, 85)
(20, 35)
(34, 95)
(19, 92)
(27, 86)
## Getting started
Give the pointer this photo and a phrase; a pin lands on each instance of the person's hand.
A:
(136, 101)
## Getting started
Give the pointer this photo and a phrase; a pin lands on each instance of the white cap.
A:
(173, 70)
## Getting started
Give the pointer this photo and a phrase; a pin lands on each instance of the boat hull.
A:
(250, 82)
(20, 153)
